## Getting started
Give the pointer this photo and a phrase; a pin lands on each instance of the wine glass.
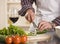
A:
(13, 16)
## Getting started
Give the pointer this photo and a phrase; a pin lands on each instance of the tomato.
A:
(16, 39)
(23, 39)
(8, 40)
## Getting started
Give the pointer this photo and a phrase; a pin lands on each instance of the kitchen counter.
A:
(54, 40)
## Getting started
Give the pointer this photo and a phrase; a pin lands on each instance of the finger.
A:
(43, 26)
(43, 29)
(26, 17)
(29, 19)
(33, 16)
(46, 27)
(41, 23)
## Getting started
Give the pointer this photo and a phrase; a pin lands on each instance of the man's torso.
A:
(48, 8)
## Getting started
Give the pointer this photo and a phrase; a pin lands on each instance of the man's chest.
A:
(46, 2)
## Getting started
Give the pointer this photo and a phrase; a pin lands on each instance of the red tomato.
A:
(16, 39)
(23, 39)
(8, 39)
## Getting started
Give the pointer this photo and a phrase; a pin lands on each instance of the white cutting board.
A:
(41, 37)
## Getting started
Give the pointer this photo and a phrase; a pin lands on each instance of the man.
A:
(48, 9)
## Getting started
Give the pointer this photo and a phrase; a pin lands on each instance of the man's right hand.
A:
(30, 15)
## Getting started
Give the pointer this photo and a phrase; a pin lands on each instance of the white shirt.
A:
(47, 10)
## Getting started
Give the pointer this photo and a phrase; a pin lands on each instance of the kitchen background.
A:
(9, 9)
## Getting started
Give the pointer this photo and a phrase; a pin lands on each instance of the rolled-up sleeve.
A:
(26, 4)
(57, 21)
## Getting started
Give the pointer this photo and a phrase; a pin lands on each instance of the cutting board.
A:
(40, 37)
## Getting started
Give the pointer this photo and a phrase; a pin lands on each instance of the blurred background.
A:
(9, 13)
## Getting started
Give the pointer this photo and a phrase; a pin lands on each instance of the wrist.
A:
(53, 25)
(29, 10)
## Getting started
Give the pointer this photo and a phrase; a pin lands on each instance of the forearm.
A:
(26, 4)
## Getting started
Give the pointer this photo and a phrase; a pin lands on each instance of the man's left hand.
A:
(44, 25)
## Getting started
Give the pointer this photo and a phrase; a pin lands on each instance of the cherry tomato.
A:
(8, 40)
(23, 39)
(16, 39)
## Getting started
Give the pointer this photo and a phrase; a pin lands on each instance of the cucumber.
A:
(44, 31)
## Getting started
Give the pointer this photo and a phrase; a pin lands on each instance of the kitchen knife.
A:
(35, 26)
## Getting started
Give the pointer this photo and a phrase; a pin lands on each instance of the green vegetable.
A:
(12, 30)
(39, 32)
(2, 38)
(30, 34)
(3, 31)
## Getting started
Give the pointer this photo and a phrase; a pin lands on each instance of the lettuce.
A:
(12, 30)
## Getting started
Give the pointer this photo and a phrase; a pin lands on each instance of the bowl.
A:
(57, 31)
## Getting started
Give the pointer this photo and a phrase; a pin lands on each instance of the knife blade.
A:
(35, 26)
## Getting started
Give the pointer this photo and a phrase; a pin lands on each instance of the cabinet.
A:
(16, 4)
(3, 14)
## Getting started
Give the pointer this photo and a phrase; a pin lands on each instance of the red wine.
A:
(13, 19)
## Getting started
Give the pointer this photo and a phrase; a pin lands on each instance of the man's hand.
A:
(30, 15)
(44, 25)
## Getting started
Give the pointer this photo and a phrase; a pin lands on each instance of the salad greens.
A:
(12, 30)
